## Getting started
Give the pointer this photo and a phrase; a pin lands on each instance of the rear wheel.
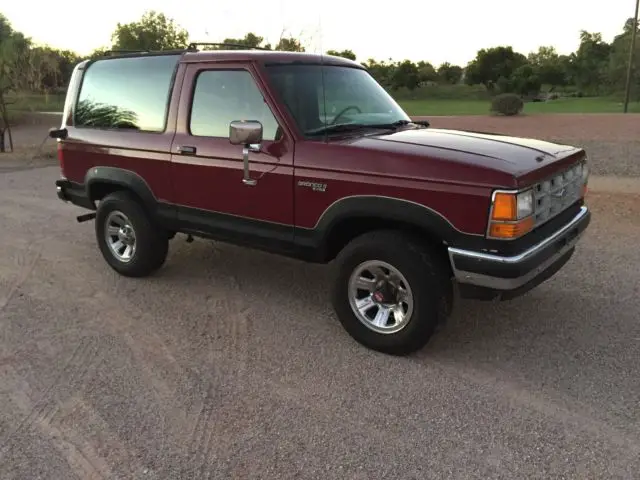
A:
(130, 241)
(390, 291)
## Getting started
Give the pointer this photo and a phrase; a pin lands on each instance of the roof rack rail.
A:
(193, 46)
(129, 52)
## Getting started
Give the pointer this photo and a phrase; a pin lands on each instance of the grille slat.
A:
(553, 195)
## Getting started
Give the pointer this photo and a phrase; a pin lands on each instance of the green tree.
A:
(619, 62)
(589, 65)
(405, 74)
(492, 63)
(380, 70)
(426, 72)
(14, 48)
(344, 54)
(550, 67)
(289, 44)
(449, 74)
(250, 40)
(526, 81)
(154, 31)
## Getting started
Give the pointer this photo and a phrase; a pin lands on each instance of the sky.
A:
(434, 31)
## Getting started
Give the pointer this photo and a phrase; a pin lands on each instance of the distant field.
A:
(36, 103)
(481, 107)
(427, 105)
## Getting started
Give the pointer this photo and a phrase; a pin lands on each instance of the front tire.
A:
(390, 291)
(129, 240)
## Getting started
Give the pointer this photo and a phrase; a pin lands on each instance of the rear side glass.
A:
(126, 93)
(222, 96)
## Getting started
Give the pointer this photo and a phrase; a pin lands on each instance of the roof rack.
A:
(193, 46)
(127, 52)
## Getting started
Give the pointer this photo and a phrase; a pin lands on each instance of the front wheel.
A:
(390, 292)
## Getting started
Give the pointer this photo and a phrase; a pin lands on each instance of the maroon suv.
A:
(307, 156)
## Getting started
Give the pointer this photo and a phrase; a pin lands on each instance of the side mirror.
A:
(247, 133)
(58, 133)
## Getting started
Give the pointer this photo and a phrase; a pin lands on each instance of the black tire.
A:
(152, 242)
(424, 270)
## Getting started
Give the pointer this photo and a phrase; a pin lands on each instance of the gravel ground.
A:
(230, 364)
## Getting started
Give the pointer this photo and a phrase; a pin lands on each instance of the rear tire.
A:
(130, 241)
(423, 289)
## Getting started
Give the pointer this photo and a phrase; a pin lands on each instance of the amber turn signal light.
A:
(504, 207)
(511, 230)
(511, 214)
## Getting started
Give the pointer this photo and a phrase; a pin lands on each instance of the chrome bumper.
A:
(508, 273)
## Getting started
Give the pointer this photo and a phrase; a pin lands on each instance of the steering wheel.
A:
(343, 111)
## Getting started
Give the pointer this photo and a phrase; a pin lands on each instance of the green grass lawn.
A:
(481, 107)
(428, 107)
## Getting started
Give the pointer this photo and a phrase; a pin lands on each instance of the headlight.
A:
(511, 214)
(585, 172)
(524, 204)
(585, 179)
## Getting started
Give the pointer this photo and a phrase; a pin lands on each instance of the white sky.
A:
(435, 31)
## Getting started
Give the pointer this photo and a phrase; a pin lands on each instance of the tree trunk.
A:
(4, 117)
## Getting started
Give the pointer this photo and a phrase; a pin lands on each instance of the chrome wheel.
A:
(380, 297)
(120, 236)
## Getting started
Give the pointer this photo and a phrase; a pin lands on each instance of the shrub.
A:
(508, 104)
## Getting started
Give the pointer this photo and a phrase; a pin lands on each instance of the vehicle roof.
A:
(262, 56)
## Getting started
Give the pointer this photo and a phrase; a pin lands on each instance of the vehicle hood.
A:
(513, 155)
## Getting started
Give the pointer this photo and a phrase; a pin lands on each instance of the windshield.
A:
(350, 97)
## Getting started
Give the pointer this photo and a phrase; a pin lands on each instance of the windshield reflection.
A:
(350, 96)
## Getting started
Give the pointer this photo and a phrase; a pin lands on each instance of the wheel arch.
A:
(101, 181)
(354, 216)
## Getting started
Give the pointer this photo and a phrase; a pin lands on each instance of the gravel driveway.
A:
(230, 364)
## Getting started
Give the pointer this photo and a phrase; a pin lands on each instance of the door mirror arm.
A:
(247, 133)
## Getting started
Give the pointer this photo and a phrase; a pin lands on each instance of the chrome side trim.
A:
(511, 283)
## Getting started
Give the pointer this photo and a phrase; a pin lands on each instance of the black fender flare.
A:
(120, 177)
(389, 209)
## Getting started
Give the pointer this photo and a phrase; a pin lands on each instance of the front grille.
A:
(553, 195)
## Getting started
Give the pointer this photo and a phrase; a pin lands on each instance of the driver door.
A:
(207, 170)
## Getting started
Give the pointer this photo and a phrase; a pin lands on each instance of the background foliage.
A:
(596, 68)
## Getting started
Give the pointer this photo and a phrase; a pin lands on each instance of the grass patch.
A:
(435, 100)
(35, 103)
(437, 107)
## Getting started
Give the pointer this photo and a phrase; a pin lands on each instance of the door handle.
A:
(187, 150)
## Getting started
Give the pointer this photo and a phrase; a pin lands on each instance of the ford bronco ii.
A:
(306, 155)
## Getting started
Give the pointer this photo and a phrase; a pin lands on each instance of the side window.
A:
(126, 93)
(221, 96)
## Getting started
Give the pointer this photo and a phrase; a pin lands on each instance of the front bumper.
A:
(488, 276)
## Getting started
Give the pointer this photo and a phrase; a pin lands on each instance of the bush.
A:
(508, 104)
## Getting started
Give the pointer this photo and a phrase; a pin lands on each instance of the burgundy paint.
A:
(450, 172)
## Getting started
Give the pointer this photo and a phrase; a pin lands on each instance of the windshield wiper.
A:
(342, 127)
(351, 127)
(401, 123)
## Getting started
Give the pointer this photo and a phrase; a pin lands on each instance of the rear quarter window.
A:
(126, 93)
